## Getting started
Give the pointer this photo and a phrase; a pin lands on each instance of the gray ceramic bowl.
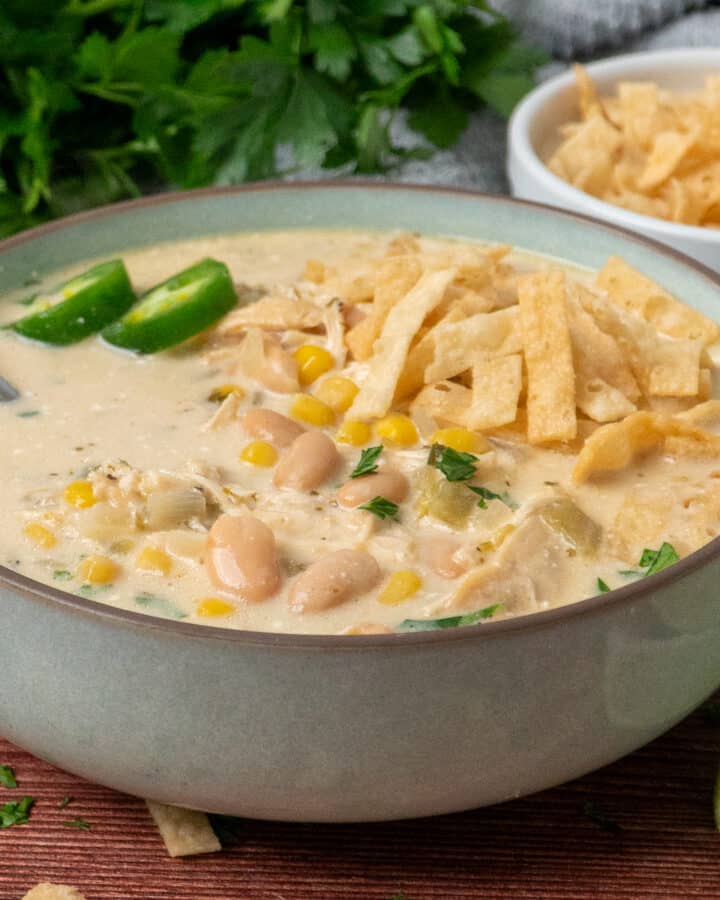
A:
(361, 728)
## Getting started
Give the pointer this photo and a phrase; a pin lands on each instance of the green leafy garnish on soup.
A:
(381, 507)
(455, 465)
(368, 462)
(656, 560)
(471, 618)
(602, 586)
(486, 494)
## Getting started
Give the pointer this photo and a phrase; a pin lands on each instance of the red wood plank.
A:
(539, 847)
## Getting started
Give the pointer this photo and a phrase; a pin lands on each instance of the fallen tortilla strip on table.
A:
(185, 832)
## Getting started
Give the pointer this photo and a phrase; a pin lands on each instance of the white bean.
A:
(334, 579)
(311, 459)
(388, 483)
(242, 557)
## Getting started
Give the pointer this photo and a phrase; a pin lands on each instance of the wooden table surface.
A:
(563, 843)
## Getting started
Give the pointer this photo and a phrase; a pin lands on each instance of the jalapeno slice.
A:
(176, 310)
(79, 307)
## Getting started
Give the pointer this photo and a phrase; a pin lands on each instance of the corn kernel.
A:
(80, 494)
(39, 535)
(461, 439)
(259, 453)
(213, 606)
(312, 362)
(311, 410)
(153, 559)
(223, 391)
(397, 429)
(400, 586)
(337, 392)
(355, 433)
(97, 570)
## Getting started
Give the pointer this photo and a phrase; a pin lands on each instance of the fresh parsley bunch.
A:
(102, 99)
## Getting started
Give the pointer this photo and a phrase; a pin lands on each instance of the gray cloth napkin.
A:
(567, 29)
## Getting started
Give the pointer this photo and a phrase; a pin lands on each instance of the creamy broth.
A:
(146, 421)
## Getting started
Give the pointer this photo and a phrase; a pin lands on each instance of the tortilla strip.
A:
(395, 276)
(458, 345)
(403, 321)
(595, 351)
(496, 386)
(704, 415)
(420, 357)
(614, 447)
(635, 293)
(445, 401)
(185, 832)
(599, 400)
(274, 313)
(664, 366)
(48, 891)
(548, 357)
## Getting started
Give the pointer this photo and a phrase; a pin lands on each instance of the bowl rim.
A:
(532, 105)
(643, 588)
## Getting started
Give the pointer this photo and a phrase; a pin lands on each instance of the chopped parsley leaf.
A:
(7, 777)
(631, 573)
(17, 812)
(486, 494)
(28, 413)
(657, 560)
(368, 462)
(602, 586)
(91, 590)
(600, 819)
(66, 801)
(77, 823)
(62, 575)
(470, 618)
(160, 606)
(454, 465)
(381, 507)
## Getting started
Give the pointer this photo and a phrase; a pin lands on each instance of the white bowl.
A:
(533, 135)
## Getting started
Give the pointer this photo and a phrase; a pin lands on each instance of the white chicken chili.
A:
(343, 432)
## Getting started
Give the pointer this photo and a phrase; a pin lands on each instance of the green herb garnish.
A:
(92, 590)
(381, 507)
(66, 801)
(656, 560)
(450, 621)
(368, 462)
(7, 777)
(602, 586)
(485, 494)
(653, 561)
(600, 819)
(454, 465)
(62, 575)
(102, 98)
(78, 823)
(160, 606)
(17, 812)
(28, 414)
